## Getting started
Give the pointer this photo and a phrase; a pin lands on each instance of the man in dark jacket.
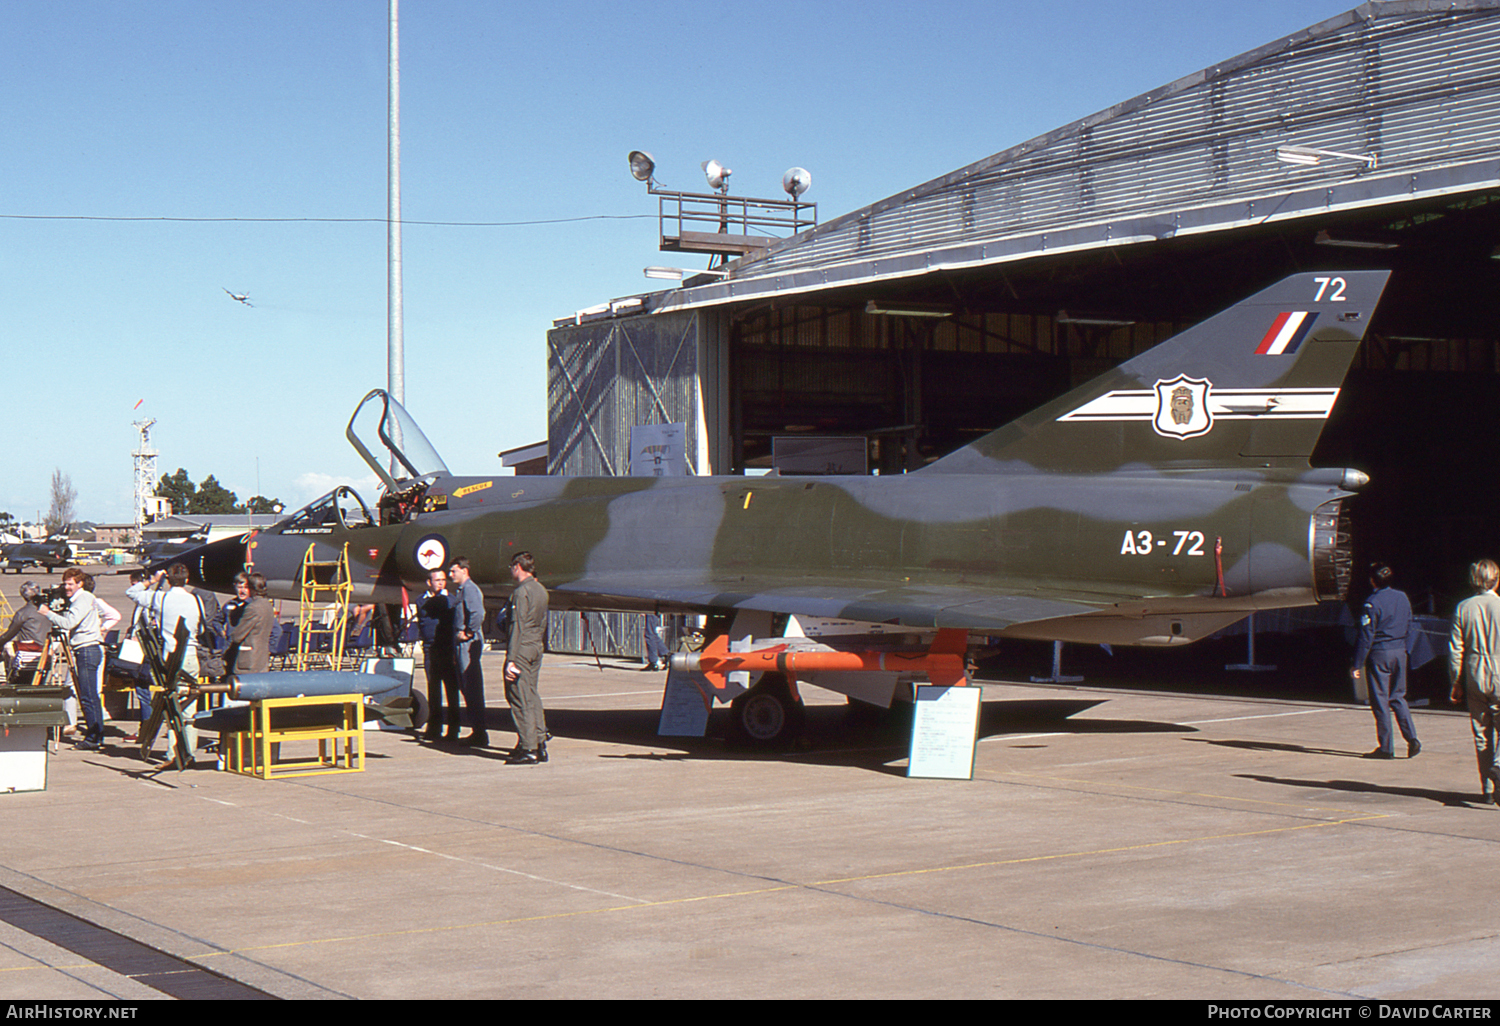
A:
(1384, 638)
(435, 619)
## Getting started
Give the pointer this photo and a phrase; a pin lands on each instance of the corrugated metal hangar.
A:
(1371, 140)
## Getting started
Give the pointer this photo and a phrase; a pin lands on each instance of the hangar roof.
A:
(1411, 85)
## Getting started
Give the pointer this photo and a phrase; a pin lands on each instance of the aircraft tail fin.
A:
(1251, 386)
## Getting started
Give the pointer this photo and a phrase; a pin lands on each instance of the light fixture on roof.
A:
(907, 309)
(1347, 241)
(678, 273)
(1097, 319)
(1311, 156)
(717, 175)
(796, 181)
(641, 165)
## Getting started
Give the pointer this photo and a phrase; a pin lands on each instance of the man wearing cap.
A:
(1386, 629)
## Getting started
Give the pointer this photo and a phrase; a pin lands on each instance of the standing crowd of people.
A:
(450, 615)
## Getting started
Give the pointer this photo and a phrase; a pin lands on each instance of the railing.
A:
(699, 222)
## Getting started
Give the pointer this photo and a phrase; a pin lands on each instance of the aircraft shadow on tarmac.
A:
(1452, 799)
(833, 734)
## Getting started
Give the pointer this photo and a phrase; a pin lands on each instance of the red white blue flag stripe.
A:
(1287, 333)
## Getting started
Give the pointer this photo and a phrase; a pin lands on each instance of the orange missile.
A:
(943, 663)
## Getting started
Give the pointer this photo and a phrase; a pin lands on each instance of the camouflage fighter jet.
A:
(1158, 503)
(52, 554)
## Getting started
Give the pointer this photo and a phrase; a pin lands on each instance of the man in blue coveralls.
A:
(468, 640)
(1384, 639)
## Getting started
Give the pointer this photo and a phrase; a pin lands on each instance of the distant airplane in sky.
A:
(240, 299)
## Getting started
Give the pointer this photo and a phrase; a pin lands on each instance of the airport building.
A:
(1367, 141)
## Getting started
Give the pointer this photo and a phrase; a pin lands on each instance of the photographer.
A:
(166, 608)
(28, 632)
(80, 621)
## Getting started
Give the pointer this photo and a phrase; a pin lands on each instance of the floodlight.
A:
(641, 165)
(678, 273)
(1311, 156)
(717, 175)
(796, 181)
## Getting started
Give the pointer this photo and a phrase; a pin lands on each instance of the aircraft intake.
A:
(212, 566)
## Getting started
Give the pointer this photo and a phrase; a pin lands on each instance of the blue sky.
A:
(228, 115)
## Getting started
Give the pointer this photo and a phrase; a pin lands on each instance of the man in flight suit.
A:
(1474, 668)
(523, 662)
(1384, 630)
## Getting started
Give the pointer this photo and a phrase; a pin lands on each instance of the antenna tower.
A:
(145, 474)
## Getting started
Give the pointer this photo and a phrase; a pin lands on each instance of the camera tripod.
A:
(173, 691)
(56, 668)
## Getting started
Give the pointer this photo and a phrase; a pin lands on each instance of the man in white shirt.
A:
(81, 622)
(166, 608)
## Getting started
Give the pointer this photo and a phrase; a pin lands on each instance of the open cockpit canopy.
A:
(381, 425)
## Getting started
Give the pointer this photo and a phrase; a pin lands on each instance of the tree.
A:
(212, 497)
(64, 501)
(259, 504)
(177, 489)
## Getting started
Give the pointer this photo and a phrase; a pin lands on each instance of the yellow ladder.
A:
(326, 582)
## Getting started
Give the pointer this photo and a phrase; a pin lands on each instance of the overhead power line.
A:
(328, 220)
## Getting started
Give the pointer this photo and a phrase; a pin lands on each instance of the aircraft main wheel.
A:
(767, 715)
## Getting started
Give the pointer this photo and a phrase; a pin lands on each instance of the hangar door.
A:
(603, 378)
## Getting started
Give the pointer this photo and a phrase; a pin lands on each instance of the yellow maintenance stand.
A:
(326, 582)
(339, 732)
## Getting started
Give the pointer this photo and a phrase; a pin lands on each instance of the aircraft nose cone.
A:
(210, 566)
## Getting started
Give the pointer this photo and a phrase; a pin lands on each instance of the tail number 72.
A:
(1143, 543)
(1338, 285)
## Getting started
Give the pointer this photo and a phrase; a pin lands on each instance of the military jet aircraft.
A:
(165, 550)
(51, 554)
(1154, 505)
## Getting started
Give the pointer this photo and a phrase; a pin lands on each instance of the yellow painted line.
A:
(790, 887)
(1103, 851)
(43, 965)
(499, 922)
(1304, 806)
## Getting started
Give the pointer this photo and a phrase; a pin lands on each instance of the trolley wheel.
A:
(767, 715)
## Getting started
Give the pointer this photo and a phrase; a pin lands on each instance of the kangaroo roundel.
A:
(1182, 407)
